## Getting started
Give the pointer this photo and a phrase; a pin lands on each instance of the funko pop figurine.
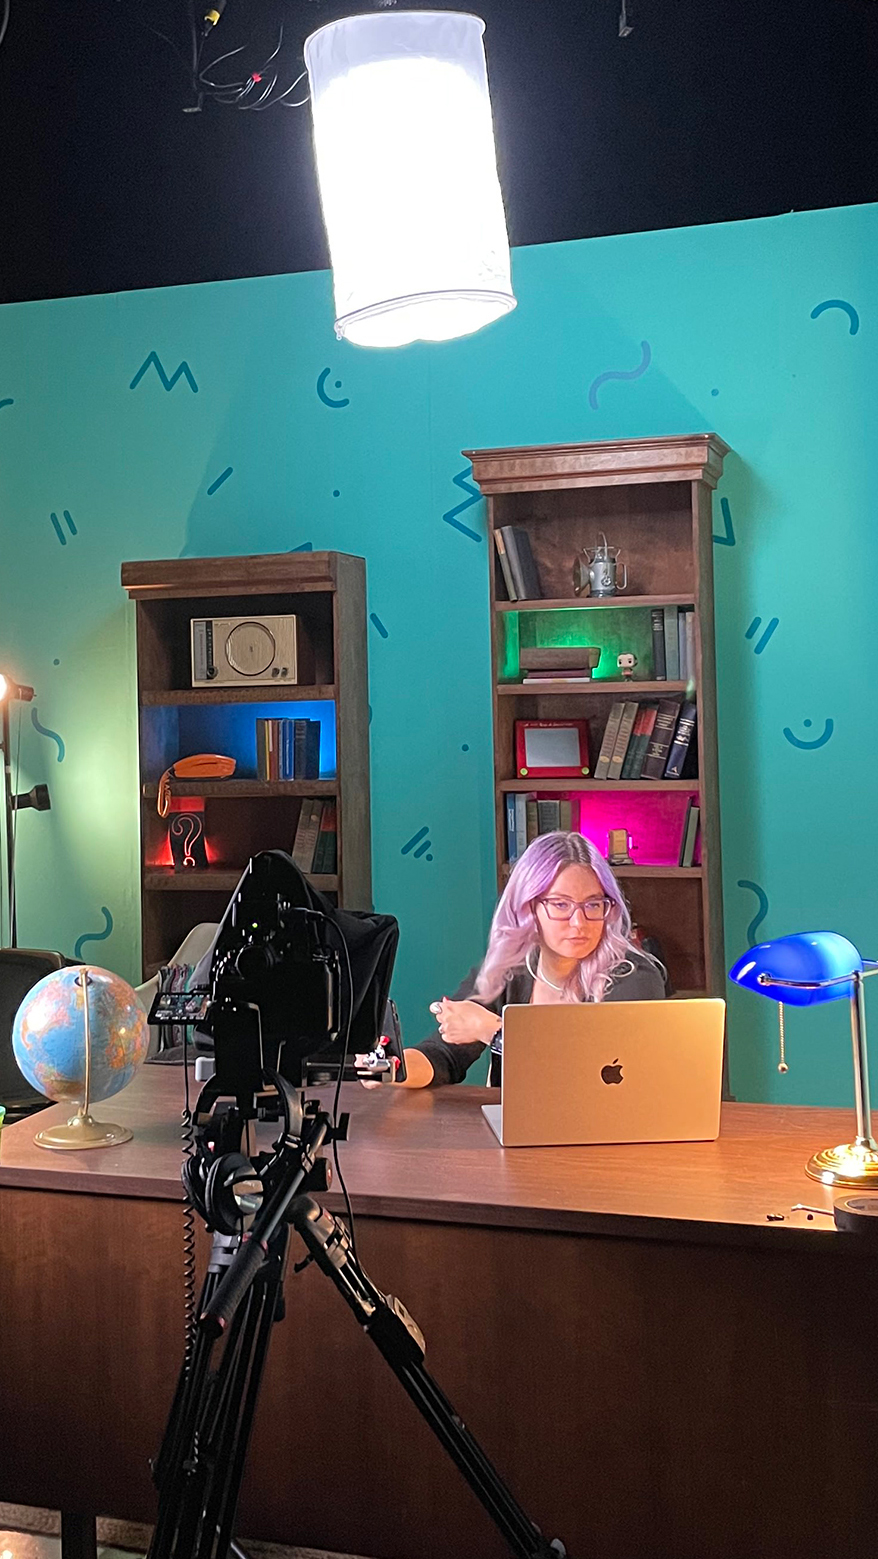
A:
(626, 663)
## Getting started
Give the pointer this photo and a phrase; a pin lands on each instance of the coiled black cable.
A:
(187, 1132)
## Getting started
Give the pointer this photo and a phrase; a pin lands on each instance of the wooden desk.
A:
(657, 1370)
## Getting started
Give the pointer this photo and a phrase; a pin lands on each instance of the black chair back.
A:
(20, 969)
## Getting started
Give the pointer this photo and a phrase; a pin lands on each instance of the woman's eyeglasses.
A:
(564, 909)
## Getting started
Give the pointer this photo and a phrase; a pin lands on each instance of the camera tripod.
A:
(200, 1466)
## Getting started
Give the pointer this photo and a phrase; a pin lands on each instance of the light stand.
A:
(37, 797)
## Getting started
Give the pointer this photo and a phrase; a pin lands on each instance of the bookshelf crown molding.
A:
(685, 457)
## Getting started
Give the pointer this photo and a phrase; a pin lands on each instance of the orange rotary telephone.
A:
(204, 765)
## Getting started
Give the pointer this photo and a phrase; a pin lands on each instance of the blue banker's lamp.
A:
(811, 967)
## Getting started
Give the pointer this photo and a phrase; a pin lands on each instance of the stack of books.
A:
(527, 818)
(564, 663)
(673, 643)
(315, 847)
(517, 564)
(287, 749)
(648, 740)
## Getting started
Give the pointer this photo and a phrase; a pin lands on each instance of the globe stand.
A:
(82, 1130)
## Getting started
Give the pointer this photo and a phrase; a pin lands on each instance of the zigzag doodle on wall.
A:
(727, 539)
(450, 517)
(155, 361)
(94, 936)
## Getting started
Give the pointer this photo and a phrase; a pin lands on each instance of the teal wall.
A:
(731, 345)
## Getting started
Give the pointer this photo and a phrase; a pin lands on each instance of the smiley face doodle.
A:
(806, 746)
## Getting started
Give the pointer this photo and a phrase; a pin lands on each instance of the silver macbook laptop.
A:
(640, 1071)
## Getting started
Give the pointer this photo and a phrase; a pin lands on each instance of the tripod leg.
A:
(398, 1338)
(228, 1436)
(205, 1445)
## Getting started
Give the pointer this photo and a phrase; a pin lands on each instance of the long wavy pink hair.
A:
(515, 932)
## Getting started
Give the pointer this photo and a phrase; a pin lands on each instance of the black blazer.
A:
(636, 980)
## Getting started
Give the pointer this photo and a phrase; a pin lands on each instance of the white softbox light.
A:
(408, 176)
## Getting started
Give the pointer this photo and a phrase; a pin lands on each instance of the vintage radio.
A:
(260, 651)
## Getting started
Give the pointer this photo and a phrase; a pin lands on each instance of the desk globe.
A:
(80, 1034)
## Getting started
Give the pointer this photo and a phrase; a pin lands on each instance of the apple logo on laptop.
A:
(612, 1074)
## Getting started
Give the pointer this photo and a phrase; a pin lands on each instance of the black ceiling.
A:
(710, 110)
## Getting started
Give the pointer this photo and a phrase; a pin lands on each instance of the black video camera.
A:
(292, 985)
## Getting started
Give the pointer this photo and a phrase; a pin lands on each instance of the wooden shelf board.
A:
(579, 603)
(246, 788)
(601, 685)
(559, 786)
(636, 871)
(269, 694)
(217, 879)
(657, 871)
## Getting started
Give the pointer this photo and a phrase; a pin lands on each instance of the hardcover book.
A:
(623, 737)
(659, 672)
(682, 739)
(612, 730)
(521, 562)
(690, 834)
(661, 739)
(310, 816)
(643, 725)
(505, 570)
(672, 644)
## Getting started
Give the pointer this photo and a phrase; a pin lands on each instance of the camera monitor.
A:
(291, 982)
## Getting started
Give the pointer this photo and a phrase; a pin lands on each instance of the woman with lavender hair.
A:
(561, 933)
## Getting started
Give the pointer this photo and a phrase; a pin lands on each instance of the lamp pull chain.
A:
(782, 1064)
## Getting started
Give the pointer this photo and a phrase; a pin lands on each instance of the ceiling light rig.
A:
(406, 164)
(407, 167)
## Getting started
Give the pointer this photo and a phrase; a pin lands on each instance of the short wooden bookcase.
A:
(243, 814)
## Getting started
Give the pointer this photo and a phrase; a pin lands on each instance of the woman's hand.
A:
(463, 1022)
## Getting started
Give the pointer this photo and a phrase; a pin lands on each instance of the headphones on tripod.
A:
(211, 1175)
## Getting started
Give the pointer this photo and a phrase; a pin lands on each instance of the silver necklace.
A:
(535, 975)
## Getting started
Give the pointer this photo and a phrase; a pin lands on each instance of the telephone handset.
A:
(203, 765)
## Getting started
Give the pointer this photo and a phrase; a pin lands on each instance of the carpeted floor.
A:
(26, 1533)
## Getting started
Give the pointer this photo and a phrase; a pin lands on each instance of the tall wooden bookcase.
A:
(652, 499)
(243, 815)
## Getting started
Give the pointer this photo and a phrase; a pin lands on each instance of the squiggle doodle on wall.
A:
(762, 911)
(94, 936)
(45, 731)
(616, 373)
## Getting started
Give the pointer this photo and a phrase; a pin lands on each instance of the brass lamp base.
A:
(82, 1131)
(850, 1164)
